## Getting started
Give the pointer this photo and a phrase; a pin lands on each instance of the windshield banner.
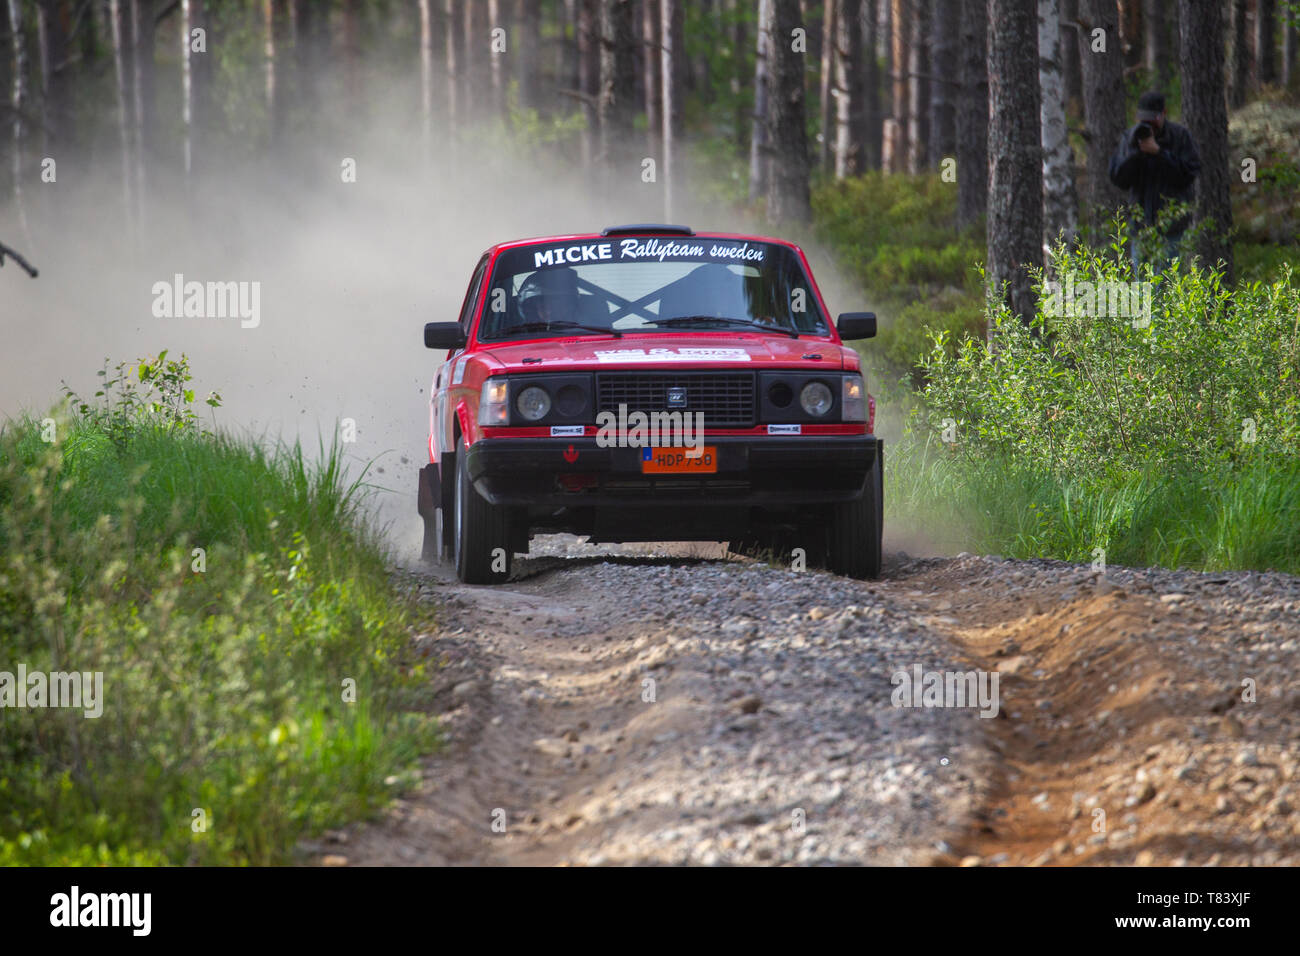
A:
(660, 250)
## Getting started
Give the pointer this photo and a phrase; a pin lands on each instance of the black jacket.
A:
(1152, 179)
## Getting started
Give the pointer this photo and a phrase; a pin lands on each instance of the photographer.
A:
(1156, 161)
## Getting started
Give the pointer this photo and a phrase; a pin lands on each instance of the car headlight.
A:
(492, 406)
(816, 399)
(533, 403)
(853, 407)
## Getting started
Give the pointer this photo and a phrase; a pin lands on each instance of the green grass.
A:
(224, 668)
(1218, 519)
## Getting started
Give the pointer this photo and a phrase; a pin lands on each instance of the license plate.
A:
(676, 461)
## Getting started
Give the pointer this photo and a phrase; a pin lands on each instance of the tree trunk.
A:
(946, 19)
(826, 89)
(426, 77)
(1201, 56)
(850, 92)
(18, 97)
(588, 37)
(918, 88)
(652, 94)
(896, 127)
(672, 58)
(142, 93)
(1015, 223)
(739, 75)
(497, 62)
(759, 156)
(474, 45)
(1070, 47)
(1266, 42)
(1103, 99)
(973, 115)
(617, 89)
(1288, 53)
(788, 199)
(871, 118)
(1060, 206)
(451, 11)
(1156, 47)
(123, 122)
(1239, 62)
(526, 48)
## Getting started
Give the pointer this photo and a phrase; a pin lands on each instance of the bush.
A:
(225, 592)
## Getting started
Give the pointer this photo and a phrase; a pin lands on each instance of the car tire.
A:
(854, 536)
(482, 533)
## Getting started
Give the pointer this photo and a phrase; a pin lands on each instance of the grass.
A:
(1224, 518)
(257, 686)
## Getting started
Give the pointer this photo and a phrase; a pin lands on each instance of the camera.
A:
(1142, 131)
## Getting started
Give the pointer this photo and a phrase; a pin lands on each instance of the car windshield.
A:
(624, 285)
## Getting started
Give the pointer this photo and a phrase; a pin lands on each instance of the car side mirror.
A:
(856, 325)
(444, 335)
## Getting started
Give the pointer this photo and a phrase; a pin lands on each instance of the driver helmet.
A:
(548, 295)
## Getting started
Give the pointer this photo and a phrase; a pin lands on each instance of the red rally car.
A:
(650, 383)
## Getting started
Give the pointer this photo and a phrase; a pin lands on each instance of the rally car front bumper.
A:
(751, 470)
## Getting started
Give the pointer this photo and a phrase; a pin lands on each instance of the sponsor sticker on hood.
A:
(672, 355)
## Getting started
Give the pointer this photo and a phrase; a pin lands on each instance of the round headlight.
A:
(816, 399)
(533, 403)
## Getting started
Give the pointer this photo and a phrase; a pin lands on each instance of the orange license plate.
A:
(676, 461)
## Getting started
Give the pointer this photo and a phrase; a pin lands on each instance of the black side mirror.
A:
(856, 325)
(444, 335)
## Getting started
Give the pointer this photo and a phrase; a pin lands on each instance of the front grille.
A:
(725, 398)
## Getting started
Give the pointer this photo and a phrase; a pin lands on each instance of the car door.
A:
(452, 370)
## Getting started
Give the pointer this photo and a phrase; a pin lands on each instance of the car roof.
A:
(649, 232)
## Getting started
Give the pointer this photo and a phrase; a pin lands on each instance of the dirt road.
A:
(647, 708)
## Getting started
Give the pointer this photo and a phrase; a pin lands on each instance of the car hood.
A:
(675, 350)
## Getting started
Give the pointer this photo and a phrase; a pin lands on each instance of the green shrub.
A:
(226, 592)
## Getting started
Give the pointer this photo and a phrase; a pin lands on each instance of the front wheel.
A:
(481, 534)
(856, 528)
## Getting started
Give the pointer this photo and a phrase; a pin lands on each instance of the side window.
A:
(471, 297)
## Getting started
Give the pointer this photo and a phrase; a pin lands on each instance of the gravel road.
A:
(673, 705)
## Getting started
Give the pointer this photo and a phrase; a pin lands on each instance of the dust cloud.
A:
(348, 274)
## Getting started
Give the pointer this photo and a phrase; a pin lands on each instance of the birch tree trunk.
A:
(1060, 212)
(451, 9)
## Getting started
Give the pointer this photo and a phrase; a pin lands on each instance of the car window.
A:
(626, 285)
(471, 296)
